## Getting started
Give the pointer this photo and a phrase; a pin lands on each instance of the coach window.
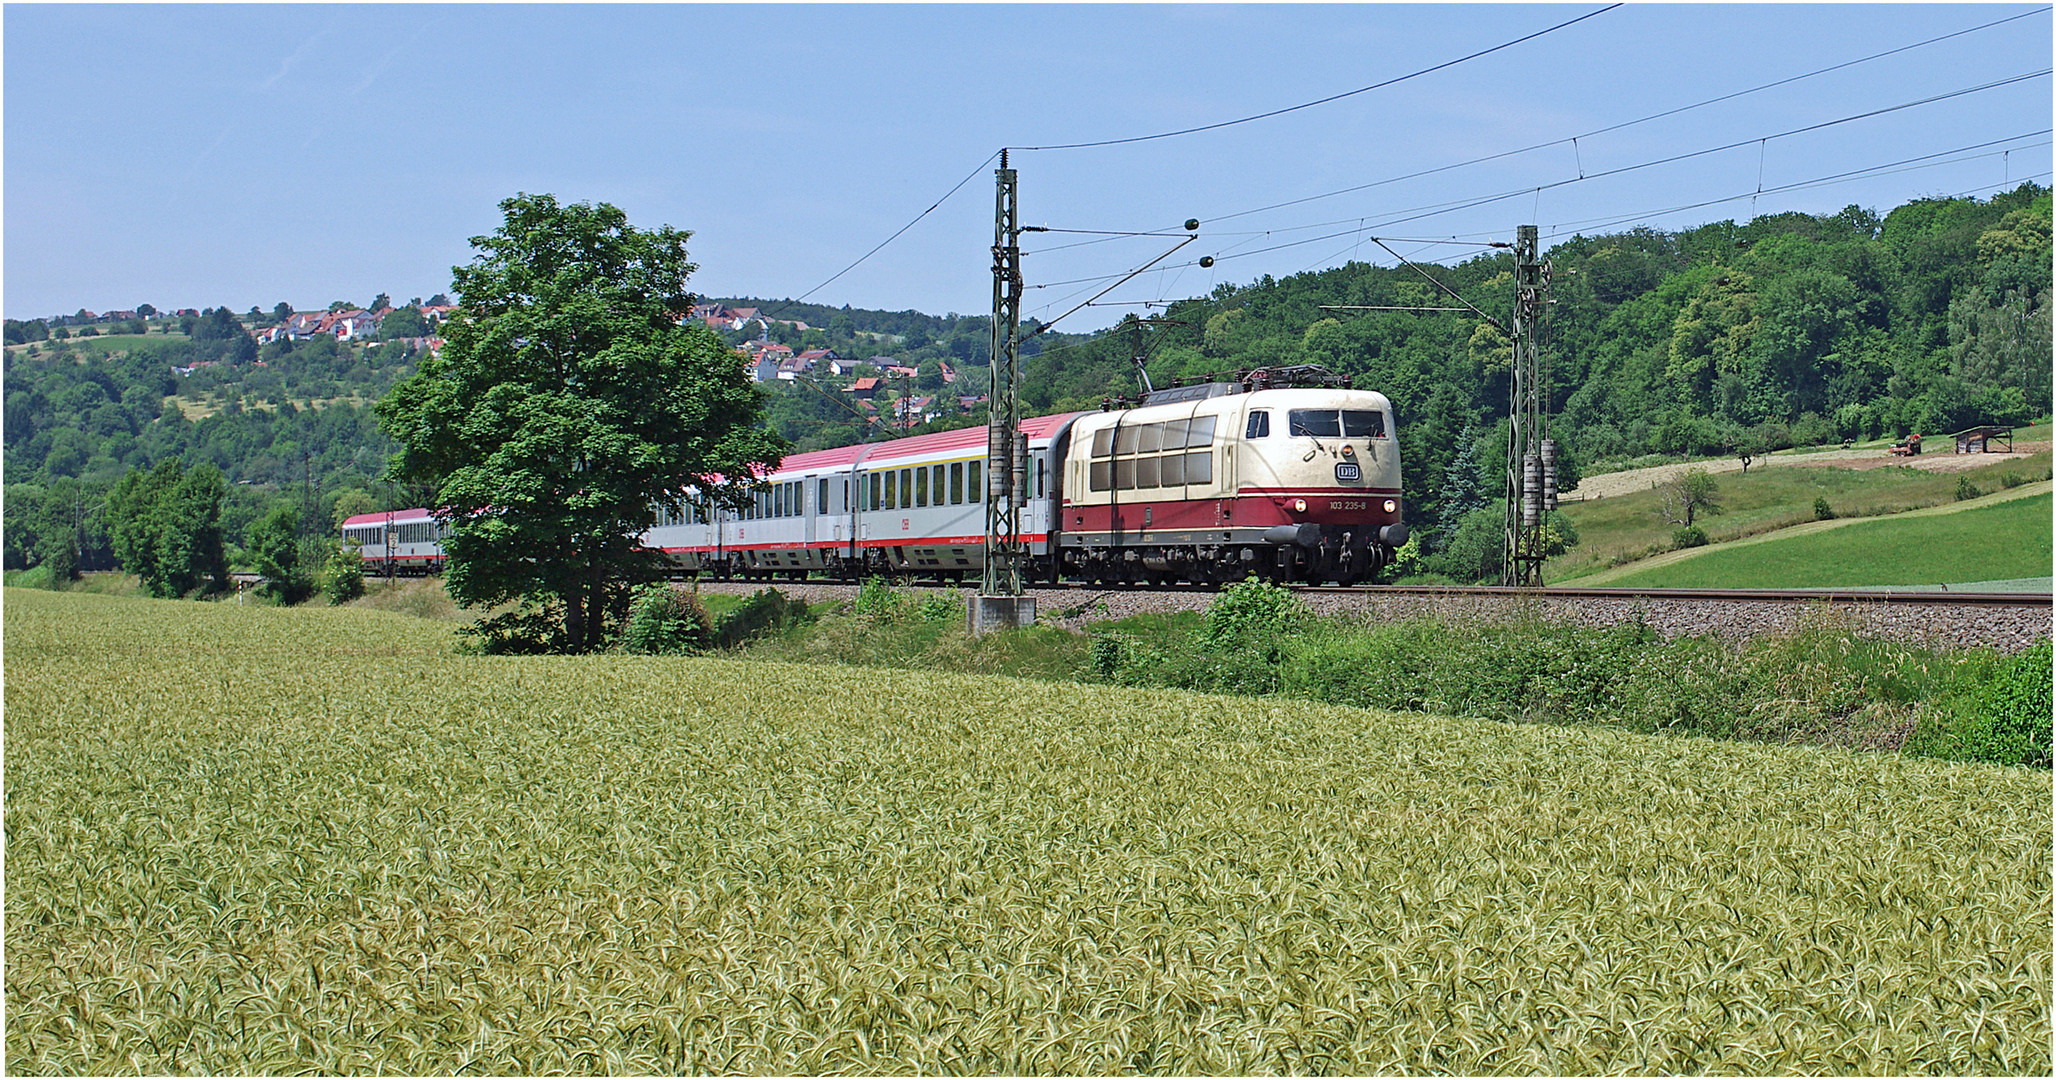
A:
(941, 484)
(1124, 473)
(921, 486)
(956, 482)
(1149, 438)
(1041, 478)
(891, 490)
(973, 486)
(1126, 438)
(1259, 425)
(906, 488)
(1199, 467)
(1146, 472)
(1171, 470)
(1201, 432)
(1103, 442)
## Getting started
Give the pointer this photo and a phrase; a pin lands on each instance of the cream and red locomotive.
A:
(1288, 474)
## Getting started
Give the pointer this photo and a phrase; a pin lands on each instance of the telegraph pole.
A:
(1000, 603)
(1530, 453)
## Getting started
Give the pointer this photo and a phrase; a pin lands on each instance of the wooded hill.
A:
(1786, 330)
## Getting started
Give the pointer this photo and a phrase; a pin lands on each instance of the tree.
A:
(406, 322)
(380, 303)
(165, 526)
(275, 545)
(147, 311)
(567, 407)
(281, 311)
(1687, 495)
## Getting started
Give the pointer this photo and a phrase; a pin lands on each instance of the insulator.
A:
(999, 473)
(1549, 451)
(1531, 490)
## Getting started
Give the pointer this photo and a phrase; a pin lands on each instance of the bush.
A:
(2004, 718)
(766, 611)
(1965, 489)
(1252, 609)
(879, 603)
(1689, 536)
(1821, 510)
(342, 580)
(2011, 480)
(663, 621)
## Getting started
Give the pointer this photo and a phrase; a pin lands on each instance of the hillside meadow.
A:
(2005, 540)
(256, 840)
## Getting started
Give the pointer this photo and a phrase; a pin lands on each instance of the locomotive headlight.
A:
(1348, 450)
(1299, 506)
(1391, 505)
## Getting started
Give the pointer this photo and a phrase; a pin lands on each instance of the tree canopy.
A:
(567, 408)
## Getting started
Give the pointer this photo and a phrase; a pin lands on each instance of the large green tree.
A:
(568, 406)
(165, 526)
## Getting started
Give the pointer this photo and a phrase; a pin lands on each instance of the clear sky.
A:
(191, 156)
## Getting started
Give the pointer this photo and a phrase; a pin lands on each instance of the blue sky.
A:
(247, 154)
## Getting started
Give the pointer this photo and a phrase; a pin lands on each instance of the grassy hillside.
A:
(312, 840)
(2009, 539)
(1622, 529)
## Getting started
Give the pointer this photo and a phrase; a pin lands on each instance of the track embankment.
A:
(2004, 623)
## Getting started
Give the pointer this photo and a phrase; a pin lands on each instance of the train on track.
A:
(1286, 473)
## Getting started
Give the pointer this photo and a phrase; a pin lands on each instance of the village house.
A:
(865, 388)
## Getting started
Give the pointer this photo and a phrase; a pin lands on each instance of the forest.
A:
(1790, 329)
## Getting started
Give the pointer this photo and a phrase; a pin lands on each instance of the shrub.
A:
(1821, 510)
(1689, 536)
(878, 602)
(2011, 480)
(663, 621)
(342, 580)
(2004, 718)
(1250, 609)
(1965, 489)
(941, 607)
(766, 611)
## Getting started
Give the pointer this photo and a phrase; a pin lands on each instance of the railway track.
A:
(1775, 596)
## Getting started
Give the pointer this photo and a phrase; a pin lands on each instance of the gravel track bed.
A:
(2007, 629)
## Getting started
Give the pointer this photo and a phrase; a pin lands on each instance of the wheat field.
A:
(261, 841)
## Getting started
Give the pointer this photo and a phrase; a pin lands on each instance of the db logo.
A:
(904, 523)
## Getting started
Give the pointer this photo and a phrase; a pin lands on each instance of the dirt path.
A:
(1611, 485)
(1669, 557)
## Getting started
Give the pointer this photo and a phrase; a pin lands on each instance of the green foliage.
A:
(1965, 490)
(1690, 536)
(165, 528)
(342, 580)
(1821, 510)
(566, 408)
(878, 602)
(765, 613)
(274, 544)
(666, 621)
(2001, 713)
(1252, 610)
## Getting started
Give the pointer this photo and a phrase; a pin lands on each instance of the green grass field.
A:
(2006, 540)
(255, 840)
(1618, 530)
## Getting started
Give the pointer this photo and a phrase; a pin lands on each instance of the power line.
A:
(1325, 100)
(1624, 124)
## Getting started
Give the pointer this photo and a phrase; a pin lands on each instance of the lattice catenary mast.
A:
(1000, 602)
(1530, 452)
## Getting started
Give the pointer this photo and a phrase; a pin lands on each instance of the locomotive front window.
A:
(1319, 423)
(1259, 425)
(1363, 424)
